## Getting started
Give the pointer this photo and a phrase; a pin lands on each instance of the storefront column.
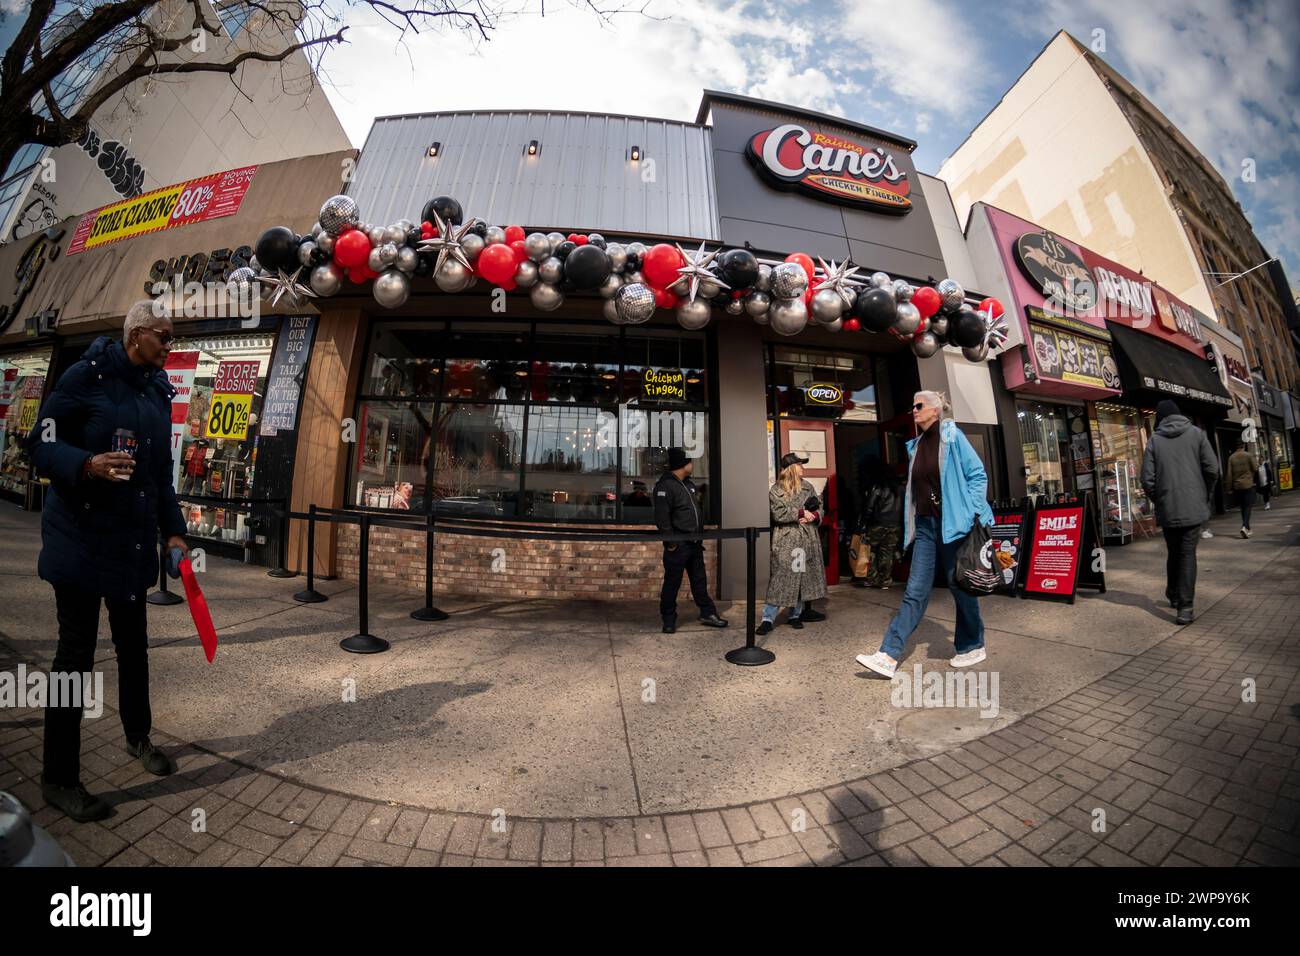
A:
(320, 465)
(742, 430)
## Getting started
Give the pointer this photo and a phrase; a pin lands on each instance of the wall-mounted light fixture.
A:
(532, 148)
(634, 154)
(435, 149)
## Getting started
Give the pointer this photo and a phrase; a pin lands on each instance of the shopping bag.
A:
(859, 556)
(199, 610)
(975, 572)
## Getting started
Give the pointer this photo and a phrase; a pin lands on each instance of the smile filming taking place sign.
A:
(830, 167)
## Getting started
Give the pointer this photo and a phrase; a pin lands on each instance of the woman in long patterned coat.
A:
(797, 573)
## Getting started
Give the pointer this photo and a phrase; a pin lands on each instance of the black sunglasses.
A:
(918, 406)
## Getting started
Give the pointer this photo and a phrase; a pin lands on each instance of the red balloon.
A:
(520, 252)
(352, 248)
(426, 233)
(509, 285)
(852, 325)
(659, 265)
(992, 307)
(665, 299)
(513, 233)
(580, 239)
(927, 301)
(572, 237)
(497, 263)
(805, 262)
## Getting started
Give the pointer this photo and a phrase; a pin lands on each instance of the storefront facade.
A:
(1274, 443)
(1093, 349)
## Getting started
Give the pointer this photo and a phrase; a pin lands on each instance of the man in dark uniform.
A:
(677, 511)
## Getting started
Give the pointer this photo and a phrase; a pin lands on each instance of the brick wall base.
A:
(523, 567)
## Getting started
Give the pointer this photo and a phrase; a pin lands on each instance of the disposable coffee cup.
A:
(123, 441)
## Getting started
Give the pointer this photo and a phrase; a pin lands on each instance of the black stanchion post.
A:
(280, 570)
(428, 612)
(363, 642)
(162, 595)
(750, 655)
(311, 595)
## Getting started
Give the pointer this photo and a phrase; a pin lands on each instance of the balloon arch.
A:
(634, 279)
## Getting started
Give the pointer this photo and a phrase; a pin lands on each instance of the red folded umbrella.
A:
(199, 610)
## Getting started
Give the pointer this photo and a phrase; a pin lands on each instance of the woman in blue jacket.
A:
(103, 438)
(946, 487)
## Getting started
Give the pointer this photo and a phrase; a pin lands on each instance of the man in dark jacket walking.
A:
(103, 438)
(677, 511)
(1178, 475)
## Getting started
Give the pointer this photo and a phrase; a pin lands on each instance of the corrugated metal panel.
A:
(581, 178)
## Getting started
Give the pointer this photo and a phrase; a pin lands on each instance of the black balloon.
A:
(563, 250)
(966, 329)
(424, 264)
(875, 309)
(445, 206)
(413, 237)
(738, 268)
(278, 249)
(587, 266)
(633, 263)
(479, 229)
(597, 240)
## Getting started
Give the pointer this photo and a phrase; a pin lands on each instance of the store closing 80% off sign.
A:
(228, 416)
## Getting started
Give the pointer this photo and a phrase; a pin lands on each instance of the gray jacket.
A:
(1179, 472)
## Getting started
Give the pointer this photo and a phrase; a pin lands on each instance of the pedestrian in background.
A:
(677, 510)
(880, 524)
(1243, 473)
(796, 573)
(946, 495)
(1265, 474)
(1178, 473)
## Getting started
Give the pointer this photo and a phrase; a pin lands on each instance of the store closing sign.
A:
(180, 369)
(232, 400)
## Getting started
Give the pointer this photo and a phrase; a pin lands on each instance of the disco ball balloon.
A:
(635, 301)
(338, 214)
(789, 281)
(951, 294)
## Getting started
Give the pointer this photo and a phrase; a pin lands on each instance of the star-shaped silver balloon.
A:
(995, 332)
(697, 269)
(840, 278)
(286, 285)
(447, 243)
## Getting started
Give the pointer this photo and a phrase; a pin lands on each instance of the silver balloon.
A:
(788, 316)
(757, 303)
(908, 320)
(326, 280)
(637, 249)
(595, 237)
(407, 259)
(254, 264)
(315, 229)
(395, 234)
(637, 276)
(881, 280)
(378, 235)
(388, 253)
(551, 271)
(610, 311)
(903, 290)
(708, 290)
(789, 281)
(472, 245)
(977, 353)
(617, 256)
(452, 276)
(495, 236)
(537, 246)
(735, 307)
(679, 286)
(827, 306)
(546, 297)
(609, 288)
(338, 214)
(325, 243)
(835, 326)
(951, 294)
(939, 326)
(693, 314)
(526, 274)
(635, 302)
(304, 252)
(554, 238)
(374, 261)
(764, 281)
(392, 289)
(925, 345)
(405, 225)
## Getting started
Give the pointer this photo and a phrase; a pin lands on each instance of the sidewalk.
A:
(540, 732)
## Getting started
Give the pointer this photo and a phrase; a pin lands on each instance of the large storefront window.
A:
(1043, 439)
(555, 422)
(1121, 434)
(215, 449)
(22, 385)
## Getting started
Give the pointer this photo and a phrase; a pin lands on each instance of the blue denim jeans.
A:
(770, 611)
(920, 581)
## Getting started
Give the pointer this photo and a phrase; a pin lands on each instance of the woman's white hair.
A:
(142, 315)
(936, 400)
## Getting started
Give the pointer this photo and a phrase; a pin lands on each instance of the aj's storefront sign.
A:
(1069, 350)
(1059, 272)
(830, 167)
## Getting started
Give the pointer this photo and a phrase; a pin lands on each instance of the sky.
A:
(1226, 73)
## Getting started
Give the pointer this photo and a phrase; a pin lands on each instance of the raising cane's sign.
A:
(830, 167)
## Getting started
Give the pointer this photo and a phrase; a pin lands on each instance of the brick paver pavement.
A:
(1187, 754)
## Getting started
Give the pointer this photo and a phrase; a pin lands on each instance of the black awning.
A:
(1148, 365)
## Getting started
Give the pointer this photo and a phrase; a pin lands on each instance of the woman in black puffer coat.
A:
(100, 529)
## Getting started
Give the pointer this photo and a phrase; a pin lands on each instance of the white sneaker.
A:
(1245, 532)
(1207, 533)
(880, 662)
(1268, 506)
(969, 659)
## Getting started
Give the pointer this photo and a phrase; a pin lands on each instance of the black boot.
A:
(151, 758)
(810, 615)
(764, 628)
(75, 801)
(670, 627)
(713, 620)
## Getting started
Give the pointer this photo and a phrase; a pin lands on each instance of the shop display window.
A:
(794, 375)
(1044, 440)
(392, 446)
(476, 460)
(22, 386)
(1120, 436)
